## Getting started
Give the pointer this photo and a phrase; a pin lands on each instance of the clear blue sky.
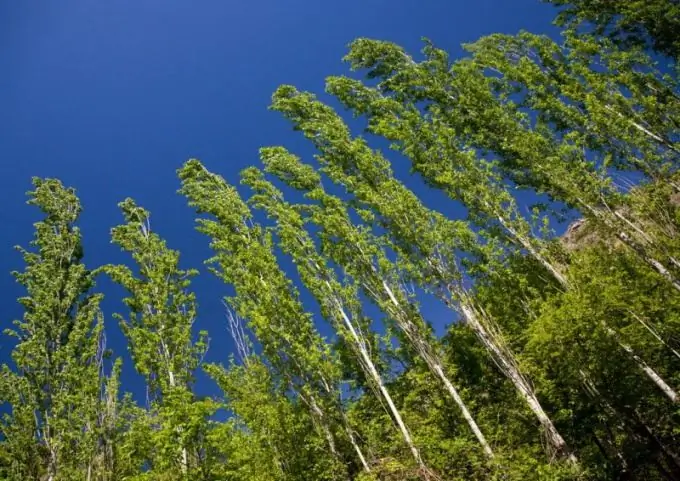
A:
(111, 96)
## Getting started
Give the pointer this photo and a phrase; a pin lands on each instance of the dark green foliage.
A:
(653, 23)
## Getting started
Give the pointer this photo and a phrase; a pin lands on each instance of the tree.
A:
(427, 241)
(54, 393)
(159, 332)
(650, 23)
(339, 303)
(267, 299)
(448, 156)
(361, 256)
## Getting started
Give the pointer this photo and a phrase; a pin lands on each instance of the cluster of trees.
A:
(560, 354)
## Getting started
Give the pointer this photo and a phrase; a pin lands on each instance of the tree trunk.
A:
(653, 263)
(375, 377)
(507, 364)
(651, 373)
(668, 391)
(324, 427)
(355, 445)
(434, 363)
(655, 334)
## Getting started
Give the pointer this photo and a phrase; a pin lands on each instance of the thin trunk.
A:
(632, 423)
(171, 378)
(355, 445)
(655, 264)
(633, 244)
(655, 334)
(508, 366)
(464, 410)
(633, 226)
(563, 281)
(645, 130)
(434, 363)
(651, 373)
(526, 243)
(671, 458)
(377, 379)
(622, 462)
(324, 426)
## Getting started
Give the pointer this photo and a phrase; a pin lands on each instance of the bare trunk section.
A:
(657, 138)
(651, 373)
(508, 366)
(655, 264)
(436, 366)
(377, 379)
(464, 410)
(324, 426)
(171, 379)
(355, 444)
(655, 334)
(635, 425)
(526, 243)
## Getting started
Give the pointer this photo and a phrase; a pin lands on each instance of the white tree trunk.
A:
(355, 445)
(655, 264)
(668, 391)
(655, 334)
(324, 426)
(435, 365)
(375, 377)
(509, 367)
(651, 373)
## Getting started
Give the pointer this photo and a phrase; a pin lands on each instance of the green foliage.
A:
(653, 23)
(467, 339)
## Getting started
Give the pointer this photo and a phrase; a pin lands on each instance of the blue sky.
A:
(112, 96)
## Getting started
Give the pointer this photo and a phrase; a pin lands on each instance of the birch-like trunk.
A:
(508, 366)
(655, 334)
(526, 243)
(652, 262)
(330, 439)
(375, 377)
(657, 138)
(436, 366)
(651, 373)
(355, 444)
(171, 379)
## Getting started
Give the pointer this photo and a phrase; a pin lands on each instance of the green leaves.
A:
(466, 337)
(55, 393)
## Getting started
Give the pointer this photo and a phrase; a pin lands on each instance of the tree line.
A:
(560, 357)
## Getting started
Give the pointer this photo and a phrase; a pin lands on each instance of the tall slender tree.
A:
(426, 240)
(161, 341)
(438, 148)
(362, 256)
(54, 392)
(268, 300)
(339, 303)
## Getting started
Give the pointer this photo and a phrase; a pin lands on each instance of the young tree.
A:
(54, 392)
(438, 146)
(599, 111)
(268, 300)
(338, 303)
(159, 332)
(427, 241)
